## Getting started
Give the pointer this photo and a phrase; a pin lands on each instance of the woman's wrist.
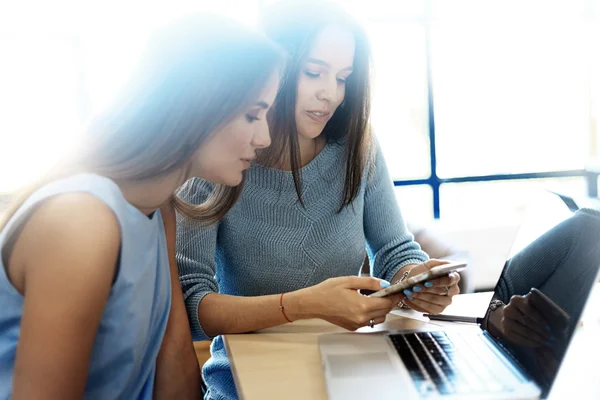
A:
(494, 321)
(402, 273)
(297, 305)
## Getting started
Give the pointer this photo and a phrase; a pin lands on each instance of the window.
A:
(415, 203)
(400, 97)
(510, 100)
(501, 200)
(511, 97)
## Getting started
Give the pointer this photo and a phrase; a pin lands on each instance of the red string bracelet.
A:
(283, 308)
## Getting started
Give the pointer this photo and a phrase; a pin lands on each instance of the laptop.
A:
(462, 361)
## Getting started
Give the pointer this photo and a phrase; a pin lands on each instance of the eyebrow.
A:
(323, 63)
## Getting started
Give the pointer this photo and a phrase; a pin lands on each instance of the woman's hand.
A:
(523, 324)
(338, 301)
(432, 296)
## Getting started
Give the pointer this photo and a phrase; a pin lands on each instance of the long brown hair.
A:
(294, 25)
(195, 76)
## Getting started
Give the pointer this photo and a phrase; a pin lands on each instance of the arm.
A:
(177, 370)
(66, 255)
(390, 244)
(211, 313)
(393, 246)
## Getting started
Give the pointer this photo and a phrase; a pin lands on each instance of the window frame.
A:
(435, 182)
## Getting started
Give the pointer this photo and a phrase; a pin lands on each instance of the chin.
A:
(233, 180)
(311, 132)
(229, 178)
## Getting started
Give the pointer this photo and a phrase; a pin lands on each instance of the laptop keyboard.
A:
(446, 363)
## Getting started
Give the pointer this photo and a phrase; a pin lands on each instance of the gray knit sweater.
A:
(269, 243)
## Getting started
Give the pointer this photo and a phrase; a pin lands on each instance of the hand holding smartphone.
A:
(433, 273)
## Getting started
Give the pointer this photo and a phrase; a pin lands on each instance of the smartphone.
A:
(556, 317)
(433, 273)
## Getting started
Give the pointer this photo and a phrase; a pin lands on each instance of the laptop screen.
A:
(543, 289)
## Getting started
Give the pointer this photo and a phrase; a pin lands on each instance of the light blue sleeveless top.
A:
(133, 324)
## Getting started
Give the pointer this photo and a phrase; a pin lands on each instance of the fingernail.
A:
(407, 292)
(428, 284)
(417, 288)
(384, 284)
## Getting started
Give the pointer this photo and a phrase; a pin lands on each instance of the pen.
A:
(454, 318)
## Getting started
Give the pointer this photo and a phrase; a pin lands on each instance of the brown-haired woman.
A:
(89, 308)
(293, 245)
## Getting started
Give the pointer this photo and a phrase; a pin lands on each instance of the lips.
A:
(247, 162)
(318, 116)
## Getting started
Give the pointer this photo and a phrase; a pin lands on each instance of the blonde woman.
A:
(90, 305)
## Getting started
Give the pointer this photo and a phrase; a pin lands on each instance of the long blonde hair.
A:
(195, 76)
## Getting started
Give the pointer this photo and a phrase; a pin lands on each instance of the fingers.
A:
(521, 335)
(521, 324)
(425, 306)
(360, 282)
(433, 300)
(522, 304)
(449, 280)
(436, 299)
(395, 298)
(431, 303)
(414, 306)
(363, 308)
(384, 305)
(530, 316)
(359, 321)
(376, 320)
(426, 266)
(378, 307)
(437, 290)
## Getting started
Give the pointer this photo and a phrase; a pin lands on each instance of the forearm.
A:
(223, 314)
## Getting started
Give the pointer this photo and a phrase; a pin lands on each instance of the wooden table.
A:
(284, 362)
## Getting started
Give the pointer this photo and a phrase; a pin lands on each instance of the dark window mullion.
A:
(434, 180)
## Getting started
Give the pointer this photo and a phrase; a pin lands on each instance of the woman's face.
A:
(322, 81)
(224, 157)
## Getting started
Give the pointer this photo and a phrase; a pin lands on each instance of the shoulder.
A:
(80, 222)
(68, 234)
(72, 212)
(374, 157)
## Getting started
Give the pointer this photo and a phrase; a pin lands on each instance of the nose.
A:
(262, 137)
(329, 91)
